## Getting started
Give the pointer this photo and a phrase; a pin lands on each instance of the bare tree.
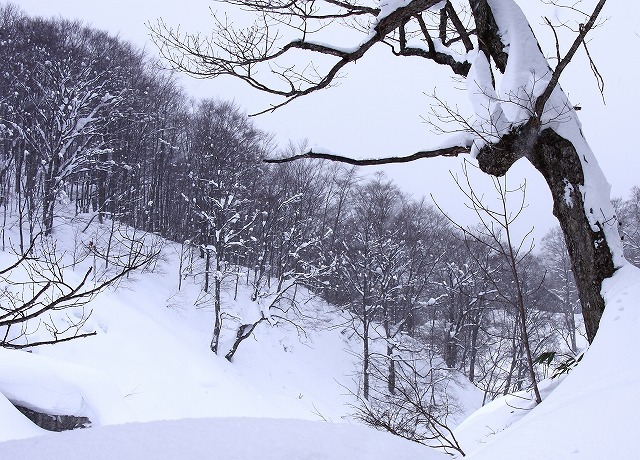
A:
(495, 231)
(528, 116)
(38, 300)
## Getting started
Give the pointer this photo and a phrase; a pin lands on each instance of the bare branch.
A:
(595, 70)
(444, 152)
(241, 52)
(460, 28)
(23, 346)
(555, 77)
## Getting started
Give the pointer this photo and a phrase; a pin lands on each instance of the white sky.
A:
(378, 107)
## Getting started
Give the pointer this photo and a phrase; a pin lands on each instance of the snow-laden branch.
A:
(259, 54)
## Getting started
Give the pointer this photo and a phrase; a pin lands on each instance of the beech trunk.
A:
(557, 160)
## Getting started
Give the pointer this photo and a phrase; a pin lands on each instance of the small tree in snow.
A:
(495, 232)
(42, 302)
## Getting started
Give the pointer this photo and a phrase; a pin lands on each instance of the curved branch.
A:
(459, 67)
(238, 52)
(460, 28)
(295, 8)
(48, 342)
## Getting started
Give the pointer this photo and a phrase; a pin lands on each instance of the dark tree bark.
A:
(557, 160)
(591, 261)
(54, 422)
(243, 333)
(217, 311)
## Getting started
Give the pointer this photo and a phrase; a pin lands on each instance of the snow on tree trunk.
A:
(510, 129)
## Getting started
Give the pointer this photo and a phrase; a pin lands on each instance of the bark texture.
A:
(54, 422)
(591, 260)
(557, 160)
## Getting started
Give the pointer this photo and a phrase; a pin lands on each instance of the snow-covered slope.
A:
(594, 413)
(150, 361)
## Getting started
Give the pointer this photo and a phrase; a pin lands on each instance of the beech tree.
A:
(523, 114)
(364, 265)
(75, 110)
(225, 150)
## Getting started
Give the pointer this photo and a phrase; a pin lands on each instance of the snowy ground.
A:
(222, 439)
(151, 360)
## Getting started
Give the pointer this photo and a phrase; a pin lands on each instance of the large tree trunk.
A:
(588, 242)
(553, 142)
(591, 257)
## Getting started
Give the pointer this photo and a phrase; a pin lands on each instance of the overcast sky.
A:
(379, 105)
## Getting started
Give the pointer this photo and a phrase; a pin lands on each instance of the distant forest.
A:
(89, 124)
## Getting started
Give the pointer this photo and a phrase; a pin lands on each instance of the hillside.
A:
(150, 361)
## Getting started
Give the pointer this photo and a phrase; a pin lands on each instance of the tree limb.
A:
(555, 77)
(443, 152)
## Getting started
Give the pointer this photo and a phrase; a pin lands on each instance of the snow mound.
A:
(56, 387)
(14, 425)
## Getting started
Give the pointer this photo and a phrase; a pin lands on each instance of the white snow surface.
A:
(13, 425)
(59, 387)
(221, 439)
(490, 122)
(527, 73)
